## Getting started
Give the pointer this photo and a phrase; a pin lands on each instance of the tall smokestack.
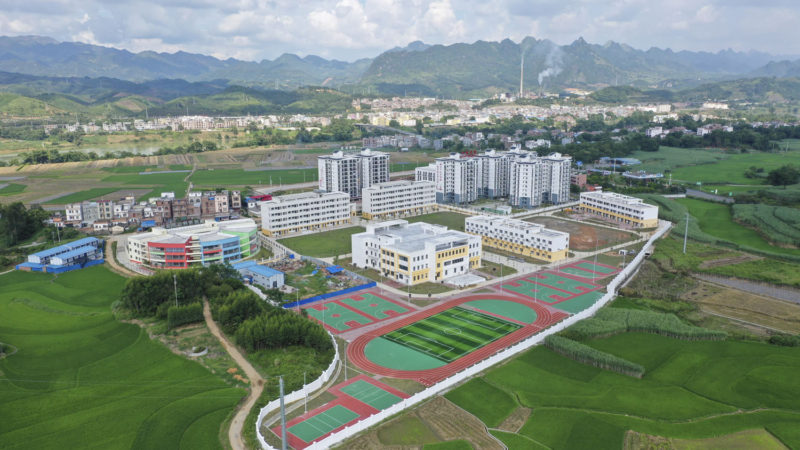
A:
(521, 73)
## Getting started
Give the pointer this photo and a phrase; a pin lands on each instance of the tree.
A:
(18, 224)
(784, 176)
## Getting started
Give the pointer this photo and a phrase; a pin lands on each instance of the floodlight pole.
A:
(594, 269)
(283, 415)
(685, 233)
(305, 399)
(175, 283)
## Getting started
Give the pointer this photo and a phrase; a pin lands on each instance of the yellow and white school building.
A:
(398, 198)
(416, 253)
(520, 237)
(622, 208)
(308, 211)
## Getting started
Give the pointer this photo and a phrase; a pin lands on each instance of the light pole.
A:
(175, 283)
(685, 233)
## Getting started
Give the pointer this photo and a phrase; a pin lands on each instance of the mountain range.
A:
(457, 70)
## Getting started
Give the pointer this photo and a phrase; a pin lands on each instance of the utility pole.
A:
(685, 233)
(283, 416)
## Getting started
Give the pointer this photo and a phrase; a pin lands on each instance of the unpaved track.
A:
(256, 381)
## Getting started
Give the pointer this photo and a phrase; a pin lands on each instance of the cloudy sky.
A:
(350, 29)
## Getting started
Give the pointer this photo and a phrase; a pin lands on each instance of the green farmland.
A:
(80, 378)
(237, 177)
(12, 188)
(80, 196)
(158, 182)
(691, 390)
(716, 220)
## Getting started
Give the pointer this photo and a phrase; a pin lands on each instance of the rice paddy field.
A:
(79, 378)
(692, 390)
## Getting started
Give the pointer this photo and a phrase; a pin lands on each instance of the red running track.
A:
(355, 351)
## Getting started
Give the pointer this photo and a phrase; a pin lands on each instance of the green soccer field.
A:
(452, 333)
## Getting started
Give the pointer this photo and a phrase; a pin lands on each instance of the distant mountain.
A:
(746, 89)
(458, 70)
(461, 70)
(779, 69)
(36, 55)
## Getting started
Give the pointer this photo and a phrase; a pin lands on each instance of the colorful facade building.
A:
(196, 245)
(519, 237)
(621, 208)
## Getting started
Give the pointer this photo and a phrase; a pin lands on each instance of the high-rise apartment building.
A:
(341, 172)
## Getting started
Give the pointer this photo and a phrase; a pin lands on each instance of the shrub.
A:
(593, 357)
(785, 340)
(181, 315)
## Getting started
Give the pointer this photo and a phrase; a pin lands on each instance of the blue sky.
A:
(351, 29)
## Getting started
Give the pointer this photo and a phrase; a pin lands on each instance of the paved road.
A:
(256, 381)
(112, 261)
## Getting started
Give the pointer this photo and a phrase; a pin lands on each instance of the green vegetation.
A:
(181, 315)
(488, 403)
(158, 182)
(611, 321)
(732, 169)
(451, 220)
(12, 188)
(18, 223)
(715, 219)
(237, 177)
(671, 158)
(494, 268)
(593, 357)
(778, 224)
(691, 390)
(81, 196)
(449, 445)
(406, 430)
(323, 245)
(81, 376)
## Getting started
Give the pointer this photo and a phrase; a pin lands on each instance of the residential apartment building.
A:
(456, 179)
(308, 211)
(397, 198)
(416, 253)
(351, 173)
(519, 237)
(493, 173)
(556, 170)
(622, 208)
(183, 247)
(426, 173)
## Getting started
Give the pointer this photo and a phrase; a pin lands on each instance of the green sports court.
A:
(450, 334)
(370, 394)
(512, 310)
(337, 316)
(322, 423)
(374, 306)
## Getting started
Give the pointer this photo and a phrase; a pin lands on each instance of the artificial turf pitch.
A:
(322, 423)
(452, 333)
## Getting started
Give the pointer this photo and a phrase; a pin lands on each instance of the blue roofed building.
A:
(74, 255)
(261, 275)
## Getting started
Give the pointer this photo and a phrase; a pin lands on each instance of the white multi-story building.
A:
(456, 179)
(426, 173)
(555, 177)
(308, 211)
(493, 173)
(397, 198)
(351, 173)
(520, 237)
(416, 253)
(629, 210)
(74, 212)
(536, 180)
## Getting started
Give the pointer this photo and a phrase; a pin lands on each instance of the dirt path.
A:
(767, 290)
(256, 381)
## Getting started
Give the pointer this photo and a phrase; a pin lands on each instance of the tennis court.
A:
(372, 305)
(452, 333)
(561, 283)
(322, 423)
(592, 267)
(337, 316)
(368, 393)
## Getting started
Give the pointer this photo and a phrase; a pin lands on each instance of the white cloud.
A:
(348, 29)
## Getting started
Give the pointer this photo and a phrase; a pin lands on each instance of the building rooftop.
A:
(254, 267)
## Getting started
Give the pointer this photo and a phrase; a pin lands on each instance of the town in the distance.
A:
(495, 245)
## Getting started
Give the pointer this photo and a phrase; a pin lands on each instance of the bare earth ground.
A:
(582, 235)
(772, 313)
(516, 420)
(444, 419)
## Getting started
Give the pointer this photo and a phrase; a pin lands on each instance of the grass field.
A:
(238, 177)
(325, 244)
(12, 189)
(670, 158)
(691, 390)
(81, 378)
(731, 170)
(158, 182)
(451, 220)
(80, 196)
(716, 220)
(452, 333)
